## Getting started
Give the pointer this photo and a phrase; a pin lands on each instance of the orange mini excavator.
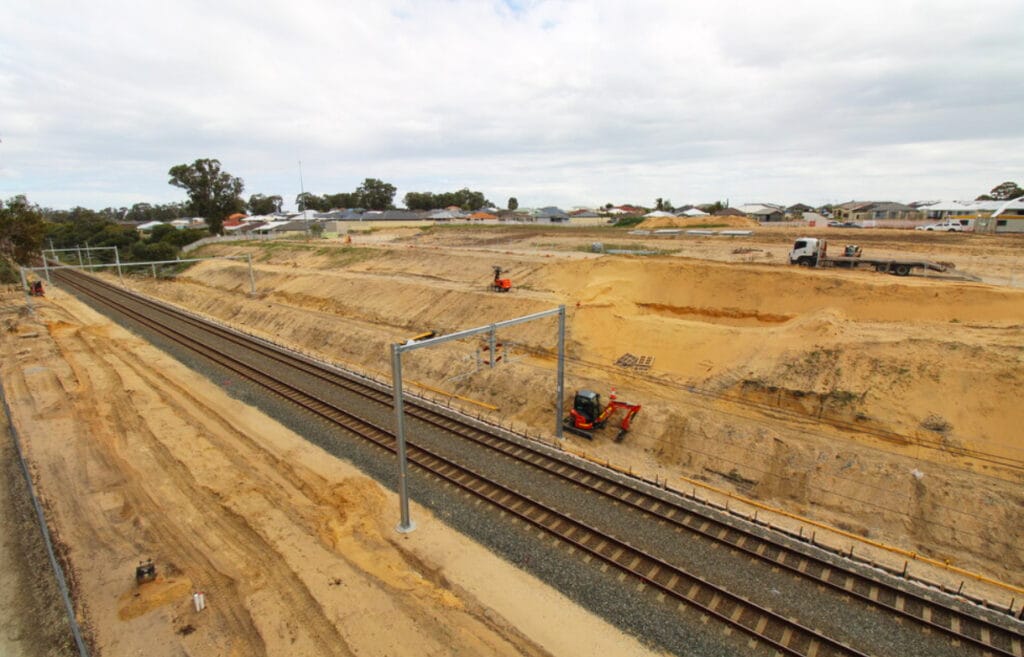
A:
(586, 414)
(500, 284)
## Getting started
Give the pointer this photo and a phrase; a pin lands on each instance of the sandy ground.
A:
(138, 457)
(882, 406)
(878, 413)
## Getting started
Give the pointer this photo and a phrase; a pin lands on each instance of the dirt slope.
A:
(138, 457)
(881, 405)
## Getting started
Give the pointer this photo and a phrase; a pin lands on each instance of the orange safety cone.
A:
(612, 396)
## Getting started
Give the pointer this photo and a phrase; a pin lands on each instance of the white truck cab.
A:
(807, 250)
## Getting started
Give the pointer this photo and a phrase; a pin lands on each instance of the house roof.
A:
(729, 212)
(694, 212)
(960, 206)
(759, 208)
(149, 225)
(272, 225)
(858, 206)
(551, 211)
(1016, 205)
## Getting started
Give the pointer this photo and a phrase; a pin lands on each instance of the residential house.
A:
(797, 210)
(551, 215)
(861, 211)
(763, 212)
(1009, 218)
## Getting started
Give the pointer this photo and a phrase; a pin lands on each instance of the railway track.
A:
(781, 634)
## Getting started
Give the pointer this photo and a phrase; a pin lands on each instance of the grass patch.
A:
(627, 222)
(350, 255)
(586, 248)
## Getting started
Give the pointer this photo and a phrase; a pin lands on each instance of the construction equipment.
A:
(813, 252)
(500, 284)
(145, 572)
(586, 414)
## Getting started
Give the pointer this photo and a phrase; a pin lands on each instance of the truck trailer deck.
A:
(813, 252)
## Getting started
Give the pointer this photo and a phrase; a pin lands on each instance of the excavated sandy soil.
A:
(886, 409)
(138, 457)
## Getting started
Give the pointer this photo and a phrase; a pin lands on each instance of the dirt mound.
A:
(689, 222)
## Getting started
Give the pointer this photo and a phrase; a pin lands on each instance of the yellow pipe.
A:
(489, 407)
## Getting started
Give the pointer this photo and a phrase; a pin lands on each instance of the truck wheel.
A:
(901, 270)
(805, 261)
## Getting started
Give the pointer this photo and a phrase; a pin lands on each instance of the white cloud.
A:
(552, 102)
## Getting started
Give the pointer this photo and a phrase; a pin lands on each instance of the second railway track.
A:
(265, 362)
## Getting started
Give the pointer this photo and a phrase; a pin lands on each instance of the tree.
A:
(346, 200)
(711, 208)
(316, 229)
(309, 201)
(513, 203)
(21, 229)
(420, 201)
(260, 204)
(376, 194)
(212, 194)
(1003, 192)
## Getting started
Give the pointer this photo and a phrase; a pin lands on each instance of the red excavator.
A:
(500, 284)
(586, 414)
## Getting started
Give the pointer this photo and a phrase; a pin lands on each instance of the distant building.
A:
(550, 215)
(860, 211)
(763, 212)
(149, 226)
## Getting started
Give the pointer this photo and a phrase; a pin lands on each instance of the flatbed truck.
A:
(813, 252)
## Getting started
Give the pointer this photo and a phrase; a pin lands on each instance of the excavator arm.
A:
(631, 411)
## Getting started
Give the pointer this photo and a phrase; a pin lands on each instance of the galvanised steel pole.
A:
(560, 385)
(405, 525)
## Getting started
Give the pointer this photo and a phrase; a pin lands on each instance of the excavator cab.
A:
(500, 284)
(588, 405)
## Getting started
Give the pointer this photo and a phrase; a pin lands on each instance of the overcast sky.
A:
(555, 103)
